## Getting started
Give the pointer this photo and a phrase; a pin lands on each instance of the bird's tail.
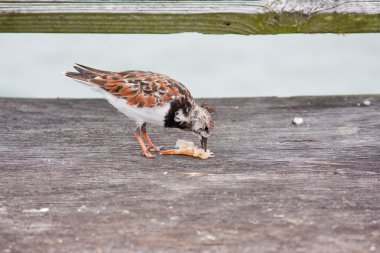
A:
(85, 74)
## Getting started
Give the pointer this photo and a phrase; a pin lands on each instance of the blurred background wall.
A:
(31, 65)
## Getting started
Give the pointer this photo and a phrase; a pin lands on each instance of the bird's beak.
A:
(204, 143)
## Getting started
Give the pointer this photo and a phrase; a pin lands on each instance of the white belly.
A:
(153, 115)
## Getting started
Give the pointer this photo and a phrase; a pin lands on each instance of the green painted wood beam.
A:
(208, 18)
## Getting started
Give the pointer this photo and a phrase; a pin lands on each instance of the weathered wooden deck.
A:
(272, 187)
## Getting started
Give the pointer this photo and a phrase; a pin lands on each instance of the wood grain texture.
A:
(272, 187)
(211, 17)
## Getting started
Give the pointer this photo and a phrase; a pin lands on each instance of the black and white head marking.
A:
(178, 115)
(190, 117)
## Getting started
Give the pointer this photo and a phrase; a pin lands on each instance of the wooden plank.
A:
(72, 179)
(210, 17)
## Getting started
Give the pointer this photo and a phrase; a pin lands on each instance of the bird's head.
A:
(202, 124)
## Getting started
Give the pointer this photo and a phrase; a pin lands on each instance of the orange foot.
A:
(155, 149)
(147, 154)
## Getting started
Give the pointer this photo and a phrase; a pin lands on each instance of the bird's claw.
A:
(147, 154)
(155, 149)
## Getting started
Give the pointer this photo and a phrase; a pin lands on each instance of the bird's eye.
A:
(206, 129)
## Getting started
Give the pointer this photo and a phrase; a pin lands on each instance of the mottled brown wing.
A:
(139, 88)
(155, 87)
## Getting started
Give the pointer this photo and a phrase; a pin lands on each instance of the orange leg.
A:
(144, 150)
(151, 147)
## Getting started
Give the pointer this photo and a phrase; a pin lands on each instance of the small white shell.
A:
(298, 121)
(367, 102)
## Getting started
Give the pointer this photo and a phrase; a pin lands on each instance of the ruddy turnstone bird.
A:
(148, 97)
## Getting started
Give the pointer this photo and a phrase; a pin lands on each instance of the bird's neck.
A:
(180, 115)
